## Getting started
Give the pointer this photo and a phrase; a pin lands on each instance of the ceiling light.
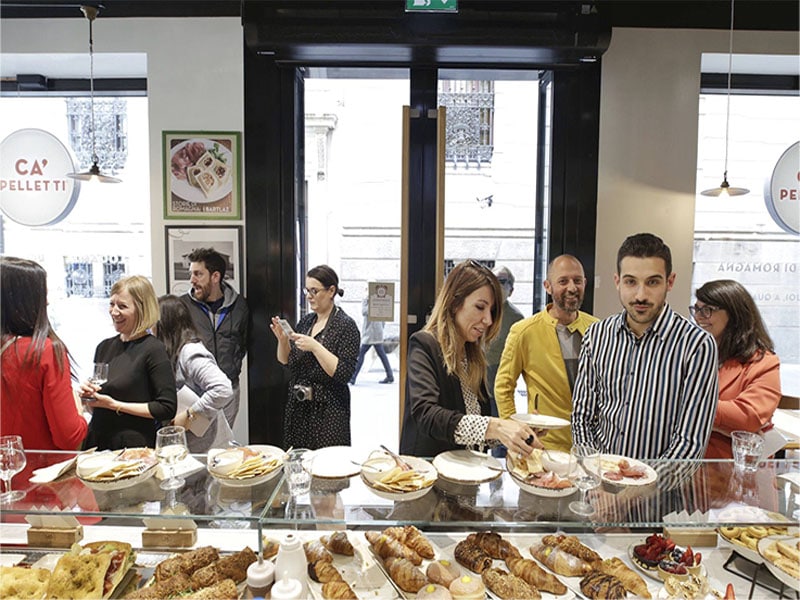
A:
(725, 188)
(93, 174)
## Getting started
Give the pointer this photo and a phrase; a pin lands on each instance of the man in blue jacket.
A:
(220, 316)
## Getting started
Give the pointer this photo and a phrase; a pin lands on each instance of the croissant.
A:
(316, 551)
(535, 575)
(385, 546)
(600, 585)
(571, 544)
(323, 571)
(405, 574)
(506, 585)
(472, 556)
(413, 538)
(559, 561)
(494, 545)
(338, 543)
(338, 590)
(627, 576)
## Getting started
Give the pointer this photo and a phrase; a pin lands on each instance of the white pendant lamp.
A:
(93, 174)
(725, 188)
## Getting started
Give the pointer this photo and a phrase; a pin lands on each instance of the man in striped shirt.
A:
(647, 377)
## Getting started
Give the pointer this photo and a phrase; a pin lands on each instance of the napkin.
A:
(52, 472)
(185, 467)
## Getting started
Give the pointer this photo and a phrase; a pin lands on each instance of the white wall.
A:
(648, 143)
(195, 81)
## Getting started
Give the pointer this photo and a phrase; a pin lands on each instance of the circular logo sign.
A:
(782, 190)
(34, 187)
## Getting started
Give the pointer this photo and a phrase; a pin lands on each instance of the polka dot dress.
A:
(324, 420)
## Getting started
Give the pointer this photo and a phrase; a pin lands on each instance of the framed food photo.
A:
(202, 174)
(181, 241)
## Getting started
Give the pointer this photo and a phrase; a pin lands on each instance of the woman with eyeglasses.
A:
(321, 356)
(447, 401)
(749, 370)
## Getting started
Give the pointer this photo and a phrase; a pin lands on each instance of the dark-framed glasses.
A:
(703, 311)
(311, 292)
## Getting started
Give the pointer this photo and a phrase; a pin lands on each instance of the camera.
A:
(301, 393)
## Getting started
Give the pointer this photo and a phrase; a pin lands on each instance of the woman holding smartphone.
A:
(321, 357)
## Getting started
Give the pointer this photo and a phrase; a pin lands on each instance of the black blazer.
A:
(434, 403)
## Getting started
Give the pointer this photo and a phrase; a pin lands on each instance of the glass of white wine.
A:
(100, 374)
(12, 461)
(584, 473)
(170, 450)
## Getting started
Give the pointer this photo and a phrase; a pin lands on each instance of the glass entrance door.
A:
(351, 215)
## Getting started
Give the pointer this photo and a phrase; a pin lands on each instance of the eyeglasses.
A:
(703, 311)
(311, 292)
(479, 266)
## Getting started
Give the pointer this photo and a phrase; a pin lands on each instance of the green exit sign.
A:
(432, 5)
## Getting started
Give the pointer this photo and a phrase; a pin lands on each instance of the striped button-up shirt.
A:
(648, 397)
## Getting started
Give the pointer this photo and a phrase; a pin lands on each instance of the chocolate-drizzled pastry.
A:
(469, 554)
(599, 585)
(494, 545)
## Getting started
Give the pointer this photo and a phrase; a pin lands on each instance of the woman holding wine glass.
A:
(140, 391)
(36, 399)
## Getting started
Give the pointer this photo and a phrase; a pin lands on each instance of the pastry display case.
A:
(709, 505)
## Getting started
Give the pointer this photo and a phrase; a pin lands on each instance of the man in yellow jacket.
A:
(544, 349)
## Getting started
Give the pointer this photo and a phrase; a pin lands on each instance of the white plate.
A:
(119, 484)
(11, 560)
(537, 490)
(379, 463)
(335, 462)
(650, 474)
(467, 466)
(756, 515)
(782, 575)
(190, 193)
(268, 451)
(540, 421)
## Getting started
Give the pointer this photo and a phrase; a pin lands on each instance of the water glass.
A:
(297, 466)
(747, 448)
(12, 461)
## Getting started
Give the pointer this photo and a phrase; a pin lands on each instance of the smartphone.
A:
(287, 329)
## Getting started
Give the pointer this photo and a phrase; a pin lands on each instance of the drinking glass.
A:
(171, 449)
(12, 461)
(297, 466)
(584, 473)
(100, 374)
(746, 449)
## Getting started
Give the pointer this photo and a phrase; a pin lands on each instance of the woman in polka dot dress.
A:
(321, 356)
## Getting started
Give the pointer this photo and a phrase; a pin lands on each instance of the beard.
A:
(568, 302)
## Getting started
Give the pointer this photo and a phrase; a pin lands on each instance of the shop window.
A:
(78, 277)
(113, 269)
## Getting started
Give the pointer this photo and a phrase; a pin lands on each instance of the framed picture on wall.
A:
(181, 241)
(202, 174)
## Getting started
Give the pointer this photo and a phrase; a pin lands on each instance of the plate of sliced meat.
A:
(621, 470)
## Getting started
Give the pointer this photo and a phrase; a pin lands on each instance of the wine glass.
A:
(171, 449)
(100, 374)
(584, 473)
(12, 461)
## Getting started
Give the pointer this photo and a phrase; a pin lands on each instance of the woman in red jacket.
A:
(37, 400)
(749, 370)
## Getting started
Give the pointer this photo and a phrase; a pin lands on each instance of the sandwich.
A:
(22, 583)
(92, 571)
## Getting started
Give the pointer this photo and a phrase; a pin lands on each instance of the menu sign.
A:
(34, 187)
(782, 190)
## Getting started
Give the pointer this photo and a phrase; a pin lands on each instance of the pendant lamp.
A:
(725, 188)
(93, 174)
